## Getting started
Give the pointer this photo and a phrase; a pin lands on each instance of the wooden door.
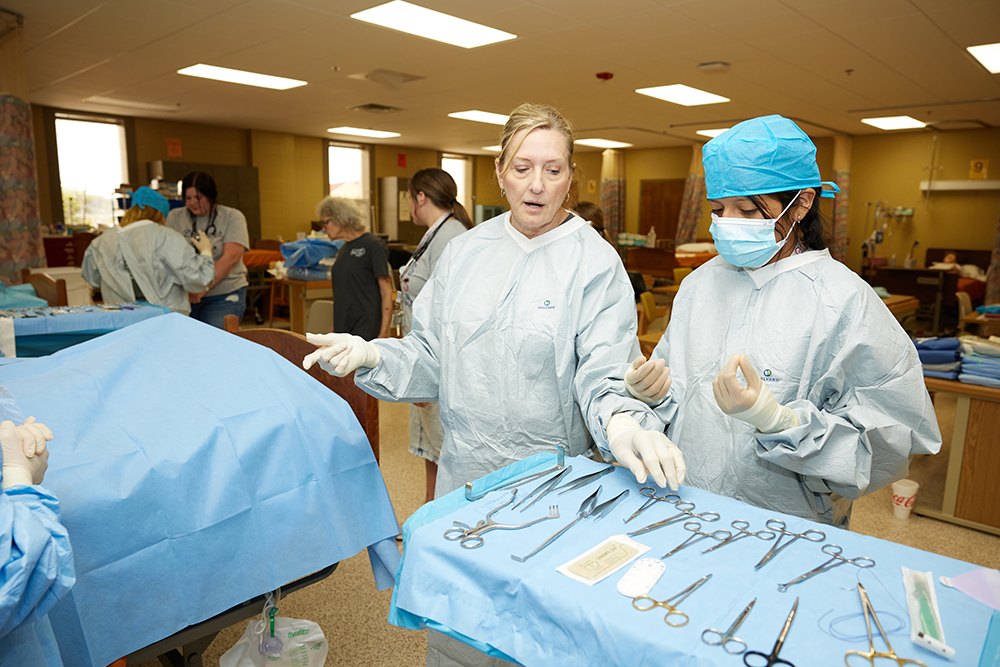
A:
(660, 207)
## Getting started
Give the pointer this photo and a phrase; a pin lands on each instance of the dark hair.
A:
(810, 226)
(201, 182)
(590, 212)
(438, 186)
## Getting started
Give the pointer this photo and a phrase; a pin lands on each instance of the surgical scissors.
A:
(650, 603)
(685, 508)
(472, 536)
(726, 638)
(545, 487)
(773, 659)
(867, 607)
(741, 526)
(696, 536)
(778, 526)
(651, 496)
(833, 551)
(588, 507)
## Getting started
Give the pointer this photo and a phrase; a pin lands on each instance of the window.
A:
(92, 165)
(348, 167)
(460, 168)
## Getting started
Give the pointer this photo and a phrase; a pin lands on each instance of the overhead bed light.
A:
(480, 117)
(678, 93)
(422, 22)
(894, 123)
(239, 76)
(602, 143)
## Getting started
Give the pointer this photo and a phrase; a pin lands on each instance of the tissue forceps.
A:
(871, 654)
(517, 481)
(471, 537)
(836, 559)
(697, 536)
(545, 487)
(670, 604)
(651, 496)
(583, 481)
(778, 526)
(685, 508)
(741, 526)
(725, 639)
(773, 659)
(588, 507)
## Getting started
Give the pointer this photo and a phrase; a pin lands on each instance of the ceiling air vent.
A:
(375, 108)
(386, 77)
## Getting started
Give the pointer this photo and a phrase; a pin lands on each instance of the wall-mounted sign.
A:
(401, 159)
(174, 148)
(978, 169)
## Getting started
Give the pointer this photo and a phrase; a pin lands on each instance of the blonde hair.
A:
(533, 117)
(137, 213)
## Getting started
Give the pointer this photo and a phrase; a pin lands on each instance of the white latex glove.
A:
(640, 450)
(340, 354)
(649, 381)
(18, 468)
(202, 243)
(754, 404)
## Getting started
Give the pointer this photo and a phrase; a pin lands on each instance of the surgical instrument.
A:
(725, 639)
(517, 481)
(697, 536)
(773, 659)
(588, 507)
(670, 604)
(583, 481)
(778, 526)
(836, 559)
(741, 526)
(685, 508)
(650, 493)
(472, 536)
(544, 488)
(871, 654)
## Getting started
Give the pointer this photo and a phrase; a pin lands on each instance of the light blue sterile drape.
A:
(42, 331)
(195, 470)
(537, 616)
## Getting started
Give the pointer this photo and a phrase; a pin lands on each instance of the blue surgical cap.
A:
(761, 156)
(144, 197)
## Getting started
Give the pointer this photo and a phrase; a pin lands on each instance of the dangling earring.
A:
(567, 196)
(502, 193)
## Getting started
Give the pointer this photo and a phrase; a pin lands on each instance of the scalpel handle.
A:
(521, 559)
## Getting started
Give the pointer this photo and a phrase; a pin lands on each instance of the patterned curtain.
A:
(694, 197)
(838, 233)
(20, 228)
(613, 193)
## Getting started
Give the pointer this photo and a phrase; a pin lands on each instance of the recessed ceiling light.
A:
(129, 104)
(492, 149)
(602, 143)
(894, 123)
(480, 117)
(422, 22)
(239, 76)
(711, 133)
(362, 132)
(988, 55)
(681, 94)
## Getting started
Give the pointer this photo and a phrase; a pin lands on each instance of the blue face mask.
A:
(747, 242)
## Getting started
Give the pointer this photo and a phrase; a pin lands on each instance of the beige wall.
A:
(290, 175)
(588, 168)
(486, 190)
(209, 144)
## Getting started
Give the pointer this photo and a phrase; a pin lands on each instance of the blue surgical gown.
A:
(829, 349)
(523, 341)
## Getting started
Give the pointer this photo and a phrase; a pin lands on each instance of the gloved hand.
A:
(202, 243)
(649, 381)
(341, 353)
(18, 467)
(754, 404)
(640, 450)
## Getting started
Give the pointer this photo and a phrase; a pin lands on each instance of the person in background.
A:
(593, 214)
(832, 404)
(362, 293)
(37, 568)
(433, 204)
(141, 260)
(226, 228)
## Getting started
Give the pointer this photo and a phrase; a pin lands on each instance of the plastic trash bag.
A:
(302, 645)
(309, 252)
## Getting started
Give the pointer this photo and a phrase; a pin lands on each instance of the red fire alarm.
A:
(604, 76)
(400, 159)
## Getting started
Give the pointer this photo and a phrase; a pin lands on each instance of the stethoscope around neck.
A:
(422, 248)
(211, 229)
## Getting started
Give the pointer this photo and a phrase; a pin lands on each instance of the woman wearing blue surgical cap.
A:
(141, 260)
(832, 404)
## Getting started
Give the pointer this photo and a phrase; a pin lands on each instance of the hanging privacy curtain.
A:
(613, 193)
(694, 198)
(842, 178)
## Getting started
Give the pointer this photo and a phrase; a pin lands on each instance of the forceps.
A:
(725, 639)
(773, 659)
(472, 536)
(584, 480)
(778, 525)
(871, 654)
(836, 559)
(685, 508)
(560, 459)
(742, 526)
(649, 603)
(588, 507)
(697, 536)
(544, 487)
(651, 496)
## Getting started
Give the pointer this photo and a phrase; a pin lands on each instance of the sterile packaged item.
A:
(302, 645)
(641, 577)
(925, 618)
(980, 584)
(603, 560)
